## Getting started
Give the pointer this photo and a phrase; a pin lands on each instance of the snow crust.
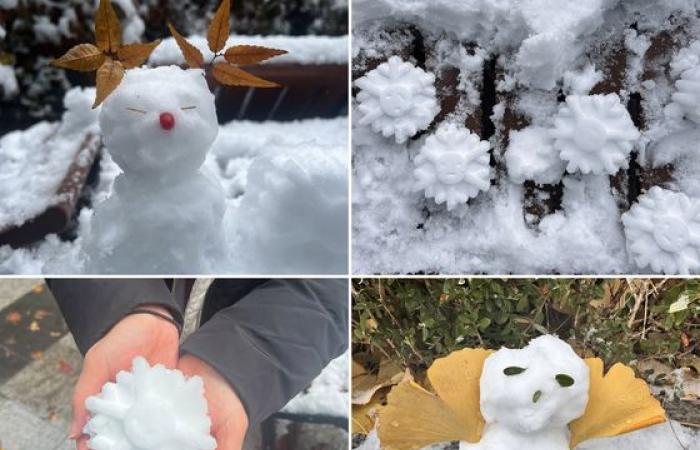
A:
(306, 50)
(149, 408)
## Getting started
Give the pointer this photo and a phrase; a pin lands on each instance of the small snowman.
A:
(529, 396)
(164, 214)
(541, 397)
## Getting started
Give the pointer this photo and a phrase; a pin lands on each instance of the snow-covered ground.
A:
(666, 436)
(285, 186)
(567, 76)
(328, 394)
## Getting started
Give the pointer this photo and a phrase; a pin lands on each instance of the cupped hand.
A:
(145, 335)
(229, 420)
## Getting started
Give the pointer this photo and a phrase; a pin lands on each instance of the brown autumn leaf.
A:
(82, 57)
(250, 54)
(39, 288)
(219, 27)
(193, 57)
(230, 75)
(37, 354)
(14, 318)
(134, 55)
(108, 78)
(108, 30)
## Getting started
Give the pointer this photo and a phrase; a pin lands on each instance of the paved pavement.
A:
(39, 365)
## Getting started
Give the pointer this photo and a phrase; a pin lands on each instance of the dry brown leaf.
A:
(39, 288)
(14, 318)
(41, 314)
(82, 57)
(219, 27)
(34, 326)
(230, 75)
(37, 354)
(109, 75)
(250, 54)
(134, 55)
(618, 403)
(414, 418)
(364, 386)
(193, 57)
(108, 30)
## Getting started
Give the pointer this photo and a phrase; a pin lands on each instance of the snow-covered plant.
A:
(150, 408)
(531, 156)
(453, 165)
(594, 134)
(541, 397)
(687, 94)
(663, 232)
(397, 98)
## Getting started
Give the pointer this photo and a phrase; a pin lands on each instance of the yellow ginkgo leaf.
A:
(455, 379)
(365, 385)
(617, 403)
(414, 418)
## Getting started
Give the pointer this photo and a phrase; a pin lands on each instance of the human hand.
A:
(144, 335)
(229, 420)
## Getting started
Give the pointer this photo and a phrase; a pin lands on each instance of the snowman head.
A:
(159, 122)
(544, 385)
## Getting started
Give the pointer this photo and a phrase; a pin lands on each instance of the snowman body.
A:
(529, 396)
(165, 213)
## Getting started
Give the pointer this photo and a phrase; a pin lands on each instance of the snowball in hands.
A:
(528, 396)
(150, 408)
(453, 165)
(165, 214)
(594, 134)
(663, 232)
(397, 98)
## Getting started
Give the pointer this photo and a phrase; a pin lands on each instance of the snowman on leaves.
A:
(165, 213)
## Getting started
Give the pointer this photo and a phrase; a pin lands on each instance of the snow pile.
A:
(591, 108)
(35, 161)
(285, 188)
(150, 408)
(328, 393)
(306, 50)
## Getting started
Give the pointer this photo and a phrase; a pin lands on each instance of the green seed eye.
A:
(564, 380)
(513, 370)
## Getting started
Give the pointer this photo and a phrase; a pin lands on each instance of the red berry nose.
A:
(167, 121)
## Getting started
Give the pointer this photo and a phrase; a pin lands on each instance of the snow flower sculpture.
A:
(453, 165)
(663, 232)
(688, 93)
(397, 98)
(541, 397)
(150, 408)
(594, 134)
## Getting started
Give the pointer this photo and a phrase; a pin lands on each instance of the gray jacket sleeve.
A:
(92, 307)
(273, 342)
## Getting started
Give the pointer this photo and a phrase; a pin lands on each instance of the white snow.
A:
(665, 436)
(8, 82)
(35, 161)
(149, 407)
(328, 394)
(285, 186)
(306, 50)
(546, 51)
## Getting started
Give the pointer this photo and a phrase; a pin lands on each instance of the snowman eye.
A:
(513, 370)
(136, 110)
(564, 380)
(185, 108)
